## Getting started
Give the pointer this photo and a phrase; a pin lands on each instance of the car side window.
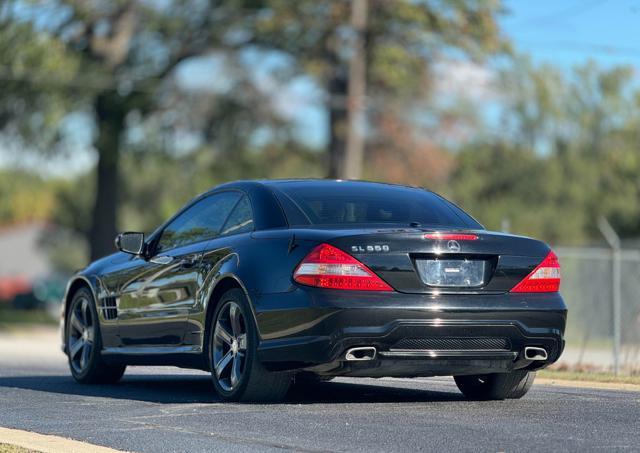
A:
(240, 220)
(202, 221)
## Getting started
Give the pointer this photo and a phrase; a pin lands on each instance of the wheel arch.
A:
(225, 275)
(75, 284)
(225, 283)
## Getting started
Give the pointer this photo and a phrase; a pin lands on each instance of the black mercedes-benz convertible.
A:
(266, 283)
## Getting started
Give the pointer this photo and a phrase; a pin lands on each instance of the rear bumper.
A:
(447, 334)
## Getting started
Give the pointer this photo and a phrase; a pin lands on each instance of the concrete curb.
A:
(588, 384)
(48, 444)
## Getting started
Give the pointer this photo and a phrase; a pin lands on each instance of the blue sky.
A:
(562, 32)
(569, 32)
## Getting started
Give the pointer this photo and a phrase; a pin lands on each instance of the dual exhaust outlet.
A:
(360, 354)
(534, 353)
(369, 353)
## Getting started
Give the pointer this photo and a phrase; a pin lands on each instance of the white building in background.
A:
(22, 258)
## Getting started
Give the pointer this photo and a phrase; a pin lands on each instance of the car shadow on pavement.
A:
(181, 389)
(157, 389)
(348, 392)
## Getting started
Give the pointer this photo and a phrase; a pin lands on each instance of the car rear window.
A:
(352, 203)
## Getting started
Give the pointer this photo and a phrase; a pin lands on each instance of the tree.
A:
(567, 155)
(116, 62)
(403, 40)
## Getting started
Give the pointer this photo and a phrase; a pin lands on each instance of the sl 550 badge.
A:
(369, 248)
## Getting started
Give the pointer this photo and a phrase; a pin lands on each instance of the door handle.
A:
(190, 261)
(162, 259)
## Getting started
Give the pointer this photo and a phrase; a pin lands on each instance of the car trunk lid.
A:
(416, 260)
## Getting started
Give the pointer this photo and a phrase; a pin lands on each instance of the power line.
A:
(571, 11)
(593, 47)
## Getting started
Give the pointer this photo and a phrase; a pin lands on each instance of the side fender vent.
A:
(109, 308)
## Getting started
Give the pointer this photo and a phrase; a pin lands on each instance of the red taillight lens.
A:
(545, 278)
(329, 267)
(451, 236)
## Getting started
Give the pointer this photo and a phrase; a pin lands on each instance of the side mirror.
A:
(132, 243)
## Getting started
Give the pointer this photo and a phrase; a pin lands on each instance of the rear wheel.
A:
(237, 373)
(496, 386)
(84, 343)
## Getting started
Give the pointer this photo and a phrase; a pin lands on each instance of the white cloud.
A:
(459, 79)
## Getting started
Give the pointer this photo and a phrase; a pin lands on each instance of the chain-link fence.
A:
(598, 335)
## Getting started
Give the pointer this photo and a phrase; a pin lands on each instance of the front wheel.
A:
(237, 373)
(84, 343)
(497, 386)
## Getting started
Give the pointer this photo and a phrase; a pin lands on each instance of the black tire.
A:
(498, 386)
(239, 375)
(84, 343)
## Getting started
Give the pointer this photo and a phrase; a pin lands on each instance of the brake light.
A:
(451, 236)
(545, 278)
(329, 267)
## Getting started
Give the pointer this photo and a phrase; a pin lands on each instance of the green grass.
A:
(589, 376)
(7, 448)
(10, 318)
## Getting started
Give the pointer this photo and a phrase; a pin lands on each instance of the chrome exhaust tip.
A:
(533, 353)
(360, 353)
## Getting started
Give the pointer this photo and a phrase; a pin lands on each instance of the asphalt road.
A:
(166, 409)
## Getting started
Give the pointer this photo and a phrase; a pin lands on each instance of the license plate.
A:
(452, 273)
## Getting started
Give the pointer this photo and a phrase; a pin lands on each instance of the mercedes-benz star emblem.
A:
(453, 246)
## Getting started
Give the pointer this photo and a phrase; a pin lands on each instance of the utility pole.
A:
(614, 242)
(354, 153)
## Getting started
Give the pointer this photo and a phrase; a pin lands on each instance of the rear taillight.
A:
(329, 267)
(545, 278)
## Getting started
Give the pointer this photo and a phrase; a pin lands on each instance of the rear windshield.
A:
(357, 204)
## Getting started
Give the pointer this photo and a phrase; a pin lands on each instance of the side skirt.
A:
(180, 356)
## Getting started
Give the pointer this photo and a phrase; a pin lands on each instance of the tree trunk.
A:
(354, 155)
(346, 101)
(110, 121)
(337, 123)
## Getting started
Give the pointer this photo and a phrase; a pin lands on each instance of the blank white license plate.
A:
(452, 273)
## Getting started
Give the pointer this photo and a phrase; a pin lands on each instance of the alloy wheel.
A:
(81, 334)
(229, 346)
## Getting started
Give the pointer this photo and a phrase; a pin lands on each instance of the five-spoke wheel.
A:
(229, 346)
(237, 372)
(84, 342)
(81, 334)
